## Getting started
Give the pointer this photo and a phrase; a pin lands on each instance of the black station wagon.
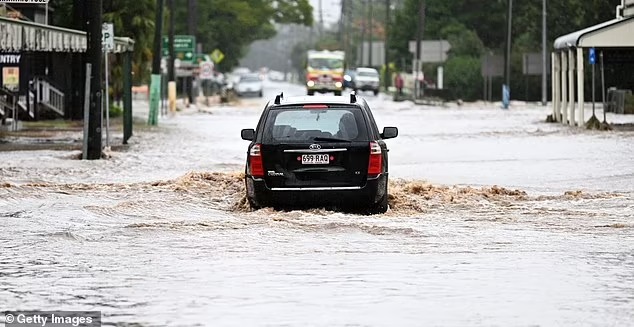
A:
(318, 152)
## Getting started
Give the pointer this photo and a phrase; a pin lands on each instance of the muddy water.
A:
(488, 225)
(187, 251)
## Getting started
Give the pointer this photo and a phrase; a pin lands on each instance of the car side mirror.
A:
(389, 133)
(248, 134)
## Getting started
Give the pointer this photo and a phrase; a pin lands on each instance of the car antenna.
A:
(353, 97)
(279, 98)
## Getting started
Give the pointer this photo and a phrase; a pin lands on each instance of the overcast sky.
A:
(331, 10)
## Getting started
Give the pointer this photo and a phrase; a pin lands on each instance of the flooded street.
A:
(496, 219)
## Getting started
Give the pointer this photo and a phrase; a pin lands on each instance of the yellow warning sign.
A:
(217, 56)
(11, 77)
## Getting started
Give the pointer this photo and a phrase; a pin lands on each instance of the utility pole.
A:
(507, 68)
(370, 63)
(93, 53)
(363, 23)
(387, 79)
(321, 19)
(192, 23)
(419, 37)
(544, 55)
(155, 85)
(170, 43)
(192, 18)
(342, 22)
(171, 74)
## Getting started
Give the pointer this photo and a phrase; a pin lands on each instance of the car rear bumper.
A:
(324, 88)
(371, 193)
(367, 87)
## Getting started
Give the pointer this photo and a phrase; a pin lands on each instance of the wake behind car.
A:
(318, 152)
(249, 84)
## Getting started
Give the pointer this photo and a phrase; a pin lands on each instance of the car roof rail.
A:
(279, 97)
(353, 97)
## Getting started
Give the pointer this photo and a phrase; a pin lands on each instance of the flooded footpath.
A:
(495, 219)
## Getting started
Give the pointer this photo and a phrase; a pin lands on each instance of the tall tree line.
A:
(475, 27)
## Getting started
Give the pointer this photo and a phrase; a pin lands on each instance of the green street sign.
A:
(217, 56)
(184, 47)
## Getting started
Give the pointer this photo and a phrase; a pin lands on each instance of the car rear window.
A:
(368, 74)
(298, 124)
(250, 78)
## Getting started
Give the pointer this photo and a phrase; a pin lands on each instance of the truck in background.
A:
(324, 71)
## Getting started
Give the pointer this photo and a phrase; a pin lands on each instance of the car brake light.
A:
(255, 160)
(315, 106)
(375, 165)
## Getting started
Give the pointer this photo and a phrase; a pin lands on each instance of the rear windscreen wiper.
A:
(330, 139)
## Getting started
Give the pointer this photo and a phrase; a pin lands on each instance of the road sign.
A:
(431, 51)
(217, 56)
(592, 56)
(206, 70)
(184, 47)
(492, 66)
(107, 36)
(533, 64)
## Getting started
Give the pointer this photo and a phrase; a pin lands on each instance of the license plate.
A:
(315, 159)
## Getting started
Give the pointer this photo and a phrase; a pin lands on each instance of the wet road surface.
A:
(496, 219)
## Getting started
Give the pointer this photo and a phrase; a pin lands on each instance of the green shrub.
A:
(115, 111)
(463, 77)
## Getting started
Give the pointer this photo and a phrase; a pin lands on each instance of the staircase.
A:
(40, 96)
(48, 97)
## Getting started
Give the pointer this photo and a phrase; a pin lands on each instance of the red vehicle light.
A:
(375, 165)
(315, 106)
(256, 163)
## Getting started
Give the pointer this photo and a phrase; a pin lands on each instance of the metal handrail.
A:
(50, 96)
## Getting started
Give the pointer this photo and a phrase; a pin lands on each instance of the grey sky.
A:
(331, 10)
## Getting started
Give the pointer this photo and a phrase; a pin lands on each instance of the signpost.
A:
(184, 47)
(592, 57)
(107, 40)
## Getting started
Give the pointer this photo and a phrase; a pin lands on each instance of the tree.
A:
(231, 25)
(471, 27)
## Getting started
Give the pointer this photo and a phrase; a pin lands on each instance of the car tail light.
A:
(255, 160)
(315, 106)
(375, 166)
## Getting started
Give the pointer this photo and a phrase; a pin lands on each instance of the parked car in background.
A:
(318, 151)
(249, 84)
(348, 79)
(366, 79)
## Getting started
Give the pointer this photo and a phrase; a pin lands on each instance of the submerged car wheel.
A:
(381, 206)
(311, 92)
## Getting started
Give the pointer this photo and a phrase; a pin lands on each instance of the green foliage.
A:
(463, 78)
(474, 28)
(115, 111)
(231, 25)
(135, 19)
